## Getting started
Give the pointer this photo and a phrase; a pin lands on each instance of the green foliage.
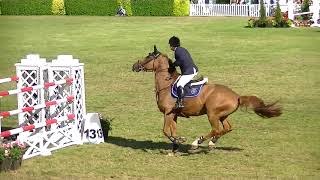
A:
(152, 7)
(305, 6)
(26, 7)
(2, 154)
(299, 18)
(280, 20)
(263, 23)
(278, 16)
(223, 1)
(262, 11)
(106, 125)
(181, 7)
(91, 7)
(58, 7)
(95, 7)
(15, 153)
(251, 22)
(126, 4)
(269, 22)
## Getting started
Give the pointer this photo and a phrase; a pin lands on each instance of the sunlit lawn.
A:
(270, 63)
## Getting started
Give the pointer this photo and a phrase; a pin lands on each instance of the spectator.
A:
(121, 11)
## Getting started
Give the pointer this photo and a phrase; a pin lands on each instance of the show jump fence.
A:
(51, 103)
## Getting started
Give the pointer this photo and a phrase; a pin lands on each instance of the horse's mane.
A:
(172, 68)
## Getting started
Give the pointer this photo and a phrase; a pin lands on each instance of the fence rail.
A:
(231, 9)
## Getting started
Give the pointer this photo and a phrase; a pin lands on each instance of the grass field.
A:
(270, 63)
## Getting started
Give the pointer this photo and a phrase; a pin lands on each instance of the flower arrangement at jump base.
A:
(11, 155)
(279, 20)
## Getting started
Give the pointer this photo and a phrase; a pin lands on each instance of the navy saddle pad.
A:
(189, 91)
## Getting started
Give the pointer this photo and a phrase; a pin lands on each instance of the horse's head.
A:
(149, 63)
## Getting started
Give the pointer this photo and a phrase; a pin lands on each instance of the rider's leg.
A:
(184, 79)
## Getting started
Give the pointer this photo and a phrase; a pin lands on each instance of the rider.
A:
(187, 67)
(121, 11)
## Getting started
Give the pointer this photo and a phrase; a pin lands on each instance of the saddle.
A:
(192, 89)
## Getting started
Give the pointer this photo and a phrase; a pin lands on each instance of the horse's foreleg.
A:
(170, 130)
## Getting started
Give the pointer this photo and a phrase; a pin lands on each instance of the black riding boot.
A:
(180, 92)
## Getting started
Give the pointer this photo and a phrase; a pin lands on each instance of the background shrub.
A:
(26, 7)
(262, 12)
(305, 8)
(181, 7)
(91, 7)
(278, 16)
(223, 1)
(58, 7)
(152, 7)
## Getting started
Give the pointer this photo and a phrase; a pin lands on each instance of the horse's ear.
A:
(155, 49)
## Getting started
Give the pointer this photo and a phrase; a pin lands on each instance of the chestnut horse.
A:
(215, 100)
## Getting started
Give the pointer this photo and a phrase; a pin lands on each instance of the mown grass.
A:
(270, 63)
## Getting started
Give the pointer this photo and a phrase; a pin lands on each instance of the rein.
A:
(166, 70)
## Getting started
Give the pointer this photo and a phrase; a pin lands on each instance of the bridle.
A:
(151, 56)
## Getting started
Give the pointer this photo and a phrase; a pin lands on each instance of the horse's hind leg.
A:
(215, 131)
(226, 128)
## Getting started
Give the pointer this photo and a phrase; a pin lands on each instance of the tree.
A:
(278, 16)
(262, 11)
(305, 6)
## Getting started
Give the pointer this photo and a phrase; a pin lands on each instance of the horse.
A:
(215, 100)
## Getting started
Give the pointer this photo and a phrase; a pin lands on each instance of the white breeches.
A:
(184, 79)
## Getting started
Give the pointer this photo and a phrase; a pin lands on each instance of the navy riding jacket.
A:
(184, 61)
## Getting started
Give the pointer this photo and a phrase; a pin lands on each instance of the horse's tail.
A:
(258, 106)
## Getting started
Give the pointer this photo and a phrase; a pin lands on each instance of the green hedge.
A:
(97, 7)
(26, 7)
(152, 7)
(91, 7)
(181, 7)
